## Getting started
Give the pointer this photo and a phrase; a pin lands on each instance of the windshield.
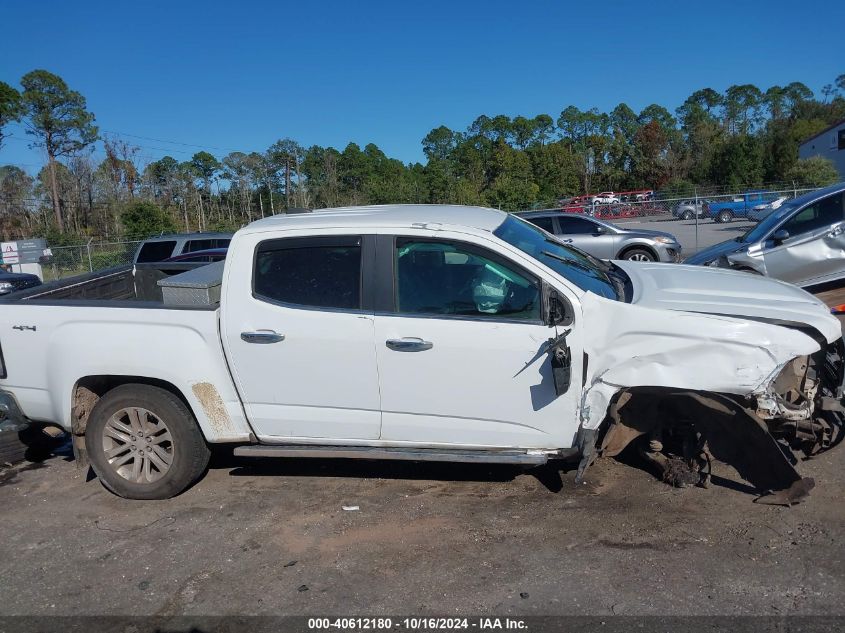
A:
(585, 271)
(758, 232)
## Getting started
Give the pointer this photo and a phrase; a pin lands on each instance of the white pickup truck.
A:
(424, 333)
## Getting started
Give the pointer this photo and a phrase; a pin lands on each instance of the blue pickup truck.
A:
(739, 207)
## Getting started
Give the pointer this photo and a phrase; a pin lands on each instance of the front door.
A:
(584, 234)
(299, 343)
(815, 248)
(462, 359)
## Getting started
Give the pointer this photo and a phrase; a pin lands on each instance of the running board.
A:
(408, 454)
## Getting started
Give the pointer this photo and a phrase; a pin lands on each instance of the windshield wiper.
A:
(619, 278)
(595, 261)
(573, 262)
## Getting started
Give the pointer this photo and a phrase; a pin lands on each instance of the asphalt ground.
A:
(692, 238)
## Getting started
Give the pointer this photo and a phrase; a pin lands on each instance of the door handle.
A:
(262, 337)
(567, 241)
(409, 344)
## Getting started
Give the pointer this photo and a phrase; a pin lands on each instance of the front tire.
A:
(687, 215)
(639, 255)
(144, 443)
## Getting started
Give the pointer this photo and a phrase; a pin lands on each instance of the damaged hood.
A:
(729, 293)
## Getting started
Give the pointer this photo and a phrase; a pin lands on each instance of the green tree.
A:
(742, 106)
(11, 107)
(205, 166)
(57, 117)
(440, 143)
(813, 172)
(144, 219)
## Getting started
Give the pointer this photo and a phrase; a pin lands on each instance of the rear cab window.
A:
(156, 251)
(206, 244)
(313, 272)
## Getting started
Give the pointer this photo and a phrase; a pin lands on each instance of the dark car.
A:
(163, 247)
(206, 256)
(10, 282)
(605, 240)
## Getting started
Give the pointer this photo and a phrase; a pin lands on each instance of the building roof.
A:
(384, 216)
(824, 131)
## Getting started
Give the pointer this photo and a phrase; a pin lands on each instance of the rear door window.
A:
(156, 251)
(318, 272)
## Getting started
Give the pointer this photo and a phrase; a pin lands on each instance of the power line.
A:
(160, 149)
(160, 140)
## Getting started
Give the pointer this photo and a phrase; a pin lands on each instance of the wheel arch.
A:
(637, 246)
(203, 401)
(88, 390)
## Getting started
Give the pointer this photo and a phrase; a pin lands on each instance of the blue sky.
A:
(240, 75)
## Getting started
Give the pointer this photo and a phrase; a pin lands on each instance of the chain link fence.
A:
(83, 258)
(698, 221)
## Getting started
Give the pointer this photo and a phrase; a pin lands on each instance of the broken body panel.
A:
(680, 337)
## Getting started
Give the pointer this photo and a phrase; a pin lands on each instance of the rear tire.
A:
(639, 255)
(12, 449)
(724, 217)
(144, 443)
(687, 215)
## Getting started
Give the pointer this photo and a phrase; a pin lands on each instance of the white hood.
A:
(726, 292)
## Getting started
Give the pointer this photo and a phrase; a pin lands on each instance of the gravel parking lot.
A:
(272, 538)
(709, 232)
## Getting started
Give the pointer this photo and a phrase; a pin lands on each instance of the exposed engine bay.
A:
(681, 432)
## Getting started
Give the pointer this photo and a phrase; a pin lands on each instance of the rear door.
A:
(815, 249)
(299, 338)
(462, 351)
(583, 234)
(545, 222)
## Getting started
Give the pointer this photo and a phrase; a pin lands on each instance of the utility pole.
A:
(695, 213)
(287, 182)
(270, 189)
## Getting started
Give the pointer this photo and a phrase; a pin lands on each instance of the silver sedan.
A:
(605, 240)
(802, 242)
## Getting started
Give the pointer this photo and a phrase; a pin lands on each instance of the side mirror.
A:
(780, 236)
(600, 230)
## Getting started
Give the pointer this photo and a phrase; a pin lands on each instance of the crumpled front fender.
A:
(633, 346)
(748, 259)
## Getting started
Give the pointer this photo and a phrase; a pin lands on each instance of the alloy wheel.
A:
(138, 445)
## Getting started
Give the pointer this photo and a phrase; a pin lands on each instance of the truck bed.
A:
(122, 286)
